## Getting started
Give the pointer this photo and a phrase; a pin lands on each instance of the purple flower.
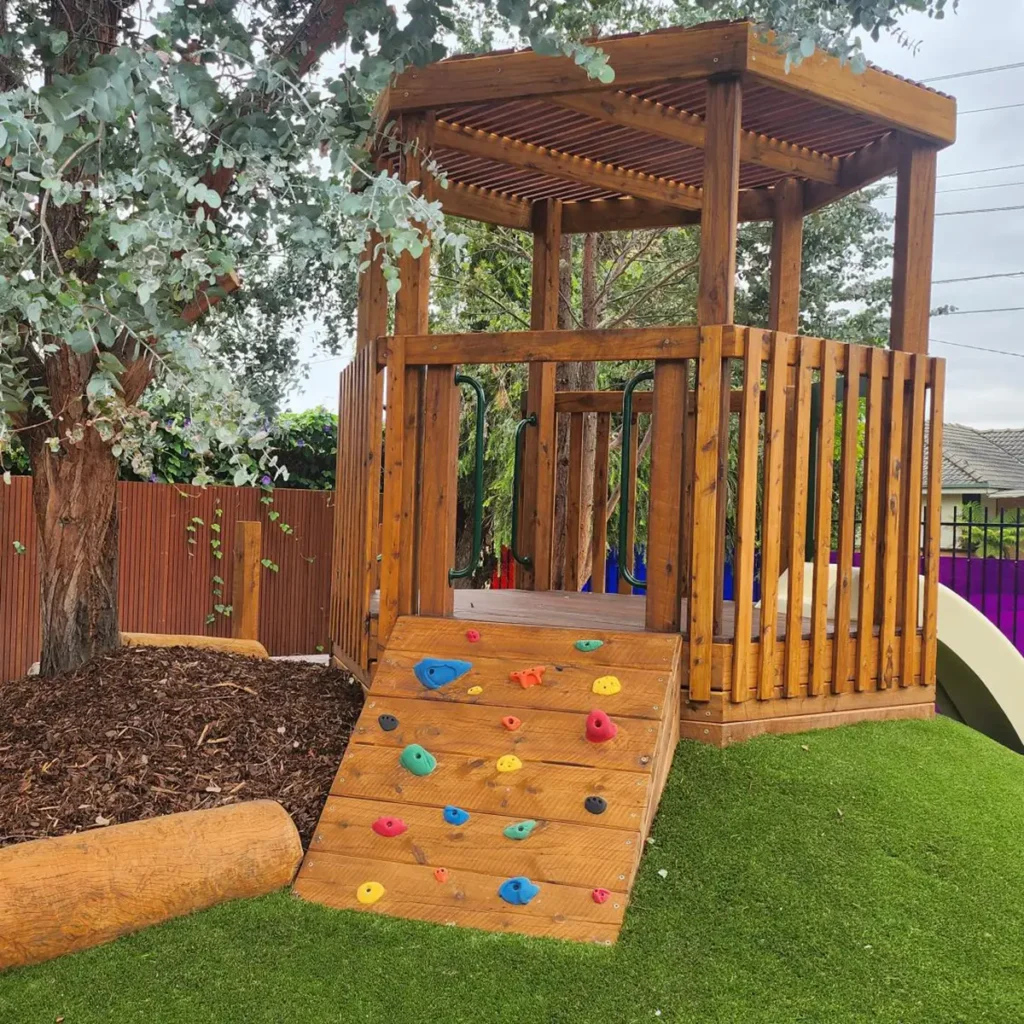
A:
(300, 443)
(152, 478)
(266, 481)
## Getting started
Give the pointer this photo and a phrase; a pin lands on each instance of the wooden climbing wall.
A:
(451, 874)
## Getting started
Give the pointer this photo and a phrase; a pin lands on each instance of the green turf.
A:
(874, 873)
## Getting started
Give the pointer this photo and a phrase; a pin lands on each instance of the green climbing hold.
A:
(417, 760)
(589, 645)
(520, 830)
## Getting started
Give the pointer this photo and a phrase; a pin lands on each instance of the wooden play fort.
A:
(793, 517)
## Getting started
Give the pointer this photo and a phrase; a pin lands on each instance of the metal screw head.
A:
(645, 759)
(622, 878)
(629, 842)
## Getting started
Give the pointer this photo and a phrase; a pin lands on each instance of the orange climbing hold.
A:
(529, 676)
(441, 874)
(511, 723)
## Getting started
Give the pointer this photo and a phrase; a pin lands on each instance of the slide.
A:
(980, 673)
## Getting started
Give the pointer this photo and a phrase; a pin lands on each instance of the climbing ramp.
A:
(544, 761)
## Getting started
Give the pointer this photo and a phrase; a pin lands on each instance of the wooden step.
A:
(571, 851)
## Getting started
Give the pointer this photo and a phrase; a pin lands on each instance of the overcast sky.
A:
(982, 389)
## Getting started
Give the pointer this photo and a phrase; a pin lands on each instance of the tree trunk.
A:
(74, 492)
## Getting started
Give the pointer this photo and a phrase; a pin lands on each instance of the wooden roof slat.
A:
(648, 116)
(564, 166)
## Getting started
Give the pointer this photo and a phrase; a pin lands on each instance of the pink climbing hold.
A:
(600, 895)
(472, 635)
(389, 827)
(441, 874)
(600, 727)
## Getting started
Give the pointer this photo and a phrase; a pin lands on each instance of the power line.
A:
(985, 110)
(977, 348)
(979, 277)
(973, 72)
(967, 188)
(988, 209)
(970, 312)
(980, 170)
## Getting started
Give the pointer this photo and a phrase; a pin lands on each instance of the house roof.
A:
(989, 461)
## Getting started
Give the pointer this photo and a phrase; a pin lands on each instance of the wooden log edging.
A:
(77, 891)
(224, 644)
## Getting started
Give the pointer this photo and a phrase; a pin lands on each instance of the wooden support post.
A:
(717, 287)
(538, 505)
(784, 315)
(245, 581)
(393, 522)
(912, 253)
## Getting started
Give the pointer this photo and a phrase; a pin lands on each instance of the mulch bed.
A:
(147, 731)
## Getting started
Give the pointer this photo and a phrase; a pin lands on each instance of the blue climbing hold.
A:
(434, 673)
(455, 815)
(518, 891)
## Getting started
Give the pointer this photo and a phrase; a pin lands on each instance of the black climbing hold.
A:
(387, 722)
(596, 804)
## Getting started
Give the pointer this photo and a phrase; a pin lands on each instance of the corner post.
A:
(538, 505)
(716, 306)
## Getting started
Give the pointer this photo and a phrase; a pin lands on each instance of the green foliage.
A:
(991, 536)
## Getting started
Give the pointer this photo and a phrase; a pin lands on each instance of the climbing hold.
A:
(528, 676)
(369, 892)
(511, 723)
(474, 691)
(596, 804)
(389, 827)
(472, 635)
(520, 830)
(589, 645)
(518, 891)
(387, 722)
(509, 763)
(600, 895)
(606, 686)
(455, 815)
(600, 727)
(441, 874)
(434, 673)
(417, 760)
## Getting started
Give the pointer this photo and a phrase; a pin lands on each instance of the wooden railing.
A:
(764, 448)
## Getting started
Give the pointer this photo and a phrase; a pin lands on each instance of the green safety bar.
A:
(530, 421)
(478, 480)
(627, 429)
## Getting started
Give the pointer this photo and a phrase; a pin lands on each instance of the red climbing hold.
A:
(511, 723)
(600, 895)
(441, 874)
(472, 635)
(600, 727)
(529, 676)
(389, 827)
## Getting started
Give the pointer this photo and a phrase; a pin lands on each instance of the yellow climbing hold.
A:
(474, 690)
(509, 763)
(606, 686)
(369, 892)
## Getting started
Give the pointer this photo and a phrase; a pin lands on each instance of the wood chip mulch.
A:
(147, 731)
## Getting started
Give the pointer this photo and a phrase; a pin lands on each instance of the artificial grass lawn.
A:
(873, 873)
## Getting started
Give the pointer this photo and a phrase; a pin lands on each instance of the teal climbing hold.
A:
(434, 673)
(518, 891)
(520, 830)
(417, 760)
(589, 645)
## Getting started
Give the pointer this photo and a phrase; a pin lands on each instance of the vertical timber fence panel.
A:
(169, 569)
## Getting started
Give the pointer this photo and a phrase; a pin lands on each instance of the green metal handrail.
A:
(530, 421)
(627, 429)
(478, 480)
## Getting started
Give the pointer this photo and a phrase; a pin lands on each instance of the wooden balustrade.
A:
(852, 530)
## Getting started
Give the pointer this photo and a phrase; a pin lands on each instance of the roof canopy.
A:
(513, 128)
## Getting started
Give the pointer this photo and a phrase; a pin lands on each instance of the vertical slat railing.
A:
(746, 516)
(933, 521)
(911, 543)
(890, 526)
(599, 538)
(819, 667)
(869, 529)
(394, 506)
(771, 515)
(628, 486)
(574, 505)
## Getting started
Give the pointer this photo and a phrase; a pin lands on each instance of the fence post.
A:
(245, 581)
